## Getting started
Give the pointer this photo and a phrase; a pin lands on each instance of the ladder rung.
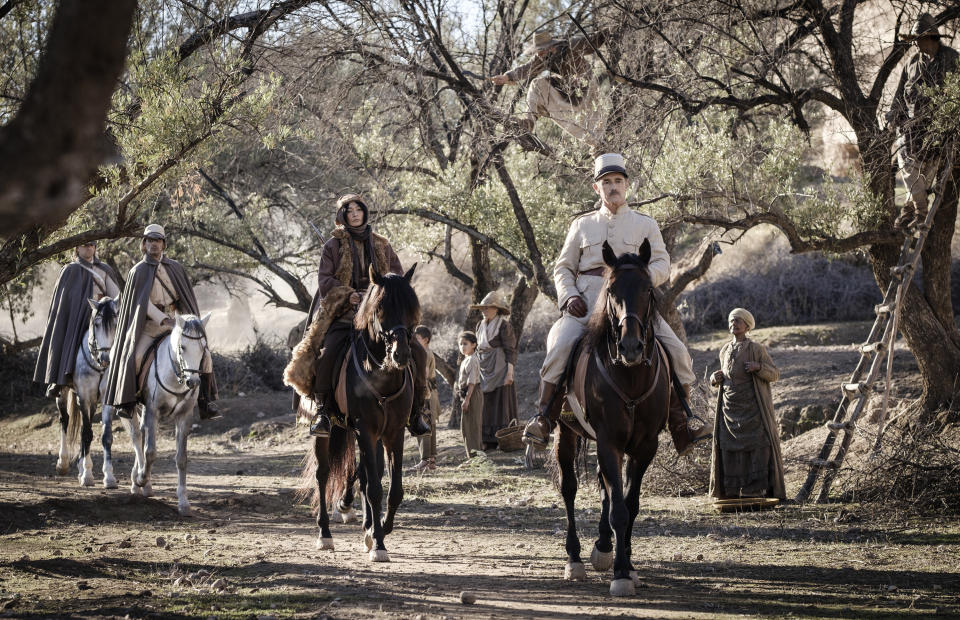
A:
(852, 389)
(824, 463)
(884, 308)
(839, 426)
(900, 271)
(869, 348)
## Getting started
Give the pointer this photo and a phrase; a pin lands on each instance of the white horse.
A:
(170, 392)
(78, 401)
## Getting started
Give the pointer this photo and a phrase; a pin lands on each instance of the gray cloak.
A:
(122, 378)
(67, 321)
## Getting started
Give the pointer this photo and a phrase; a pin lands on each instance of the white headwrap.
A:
(744, 315)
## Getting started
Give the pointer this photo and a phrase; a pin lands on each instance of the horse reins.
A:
(631, 403)
(179, 366)
(614, 339)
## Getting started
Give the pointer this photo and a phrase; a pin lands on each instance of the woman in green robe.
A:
(746, 443)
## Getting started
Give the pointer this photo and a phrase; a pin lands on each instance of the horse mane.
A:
(193, 326)
(393, 296)
(598, 326)
(107, 310)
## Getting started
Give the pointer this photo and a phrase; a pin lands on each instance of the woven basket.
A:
(510, 438)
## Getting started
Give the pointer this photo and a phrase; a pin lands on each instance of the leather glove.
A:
(576, 307)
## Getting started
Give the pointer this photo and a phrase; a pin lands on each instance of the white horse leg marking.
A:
(149, 427)
(379, 555)
(348, 516)
(601, 560)
(86, 471)
(183, 430)
(63, 458)
(106, 438)
(622, 587)
(133, 430)
(325, 544)
(574, 571)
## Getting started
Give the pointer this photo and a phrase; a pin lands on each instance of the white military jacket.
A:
(624, 231)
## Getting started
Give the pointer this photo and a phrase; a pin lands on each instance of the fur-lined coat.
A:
(334, 286)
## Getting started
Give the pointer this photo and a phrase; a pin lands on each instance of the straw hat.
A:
(541, 41)
(492, 300)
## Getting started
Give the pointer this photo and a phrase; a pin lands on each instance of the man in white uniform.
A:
(578, 275)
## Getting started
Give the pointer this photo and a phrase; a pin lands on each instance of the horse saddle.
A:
(144, 371)
(573, 413)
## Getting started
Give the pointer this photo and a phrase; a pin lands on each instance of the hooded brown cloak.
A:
(66, 323)
(122, 379)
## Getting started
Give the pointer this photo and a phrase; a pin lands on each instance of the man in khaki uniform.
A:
(567, 92)
(911, 113)
(578, 275)
(157, 289)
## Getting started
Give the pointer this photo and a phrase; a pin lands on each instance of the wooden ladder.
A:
(863, 382)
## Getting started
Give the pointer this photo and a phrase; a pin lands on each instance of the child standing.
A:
(428, 443)
(471, 397)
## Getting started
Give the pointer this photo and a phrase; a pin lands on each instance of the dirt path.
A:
(486, 526)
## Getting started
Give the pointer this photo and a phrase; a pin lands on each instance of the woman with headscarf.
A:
(746, 442)
(343, 277)
(497, 353)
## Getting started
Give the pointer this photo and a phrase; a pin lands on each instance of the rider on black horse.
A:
(342, 280)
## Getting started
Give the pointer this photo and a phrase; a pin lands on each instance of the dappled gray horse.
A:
(170, 392)
(78, 401)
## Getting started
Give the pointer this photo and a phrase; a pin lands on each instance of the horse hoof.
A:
(110, 483)
(601, 560)
(324, 544)
(63, 468)
(85, 480)
(184, 509)
(349, 516)
(368, 541)
(379, 555)
(622, 587)
(146, 490)
(574, 571)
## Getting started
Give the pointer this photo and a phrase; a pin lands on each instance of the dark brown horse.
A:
(377, 396)
(620, 380)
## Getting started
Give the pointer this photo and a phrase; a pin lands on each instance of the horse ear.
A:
(93, 304)
(609, 256)
(645, 251)
(374, 276)
(409, 275)
(205, 318)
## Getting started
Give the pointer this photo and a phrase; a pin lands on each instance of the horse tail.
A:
(342, 455)
(307, 486)
(75, 420)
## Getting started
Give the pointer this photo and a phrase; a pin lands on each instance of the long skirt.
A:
(470, 423)
(499, 407)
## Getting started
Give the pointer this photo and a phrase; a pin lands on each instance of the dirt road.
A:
(487, 526)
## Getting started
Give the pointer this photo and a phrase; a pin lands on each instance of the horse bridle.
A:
(179, 365)
(645, 324)
(92, 351)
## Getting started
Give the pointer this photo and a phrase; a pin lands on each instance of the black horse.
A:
(377, 396)
(620, 380)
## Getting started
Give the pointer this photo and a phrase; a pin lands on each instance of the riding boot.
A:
(208, 409)
(419, 422)
(320, 424)
(683, 438)
(124, 411)
(53, 390)
(537, 432)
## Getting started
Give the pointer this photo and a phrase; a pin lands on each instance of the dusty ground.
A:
(487, 526)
